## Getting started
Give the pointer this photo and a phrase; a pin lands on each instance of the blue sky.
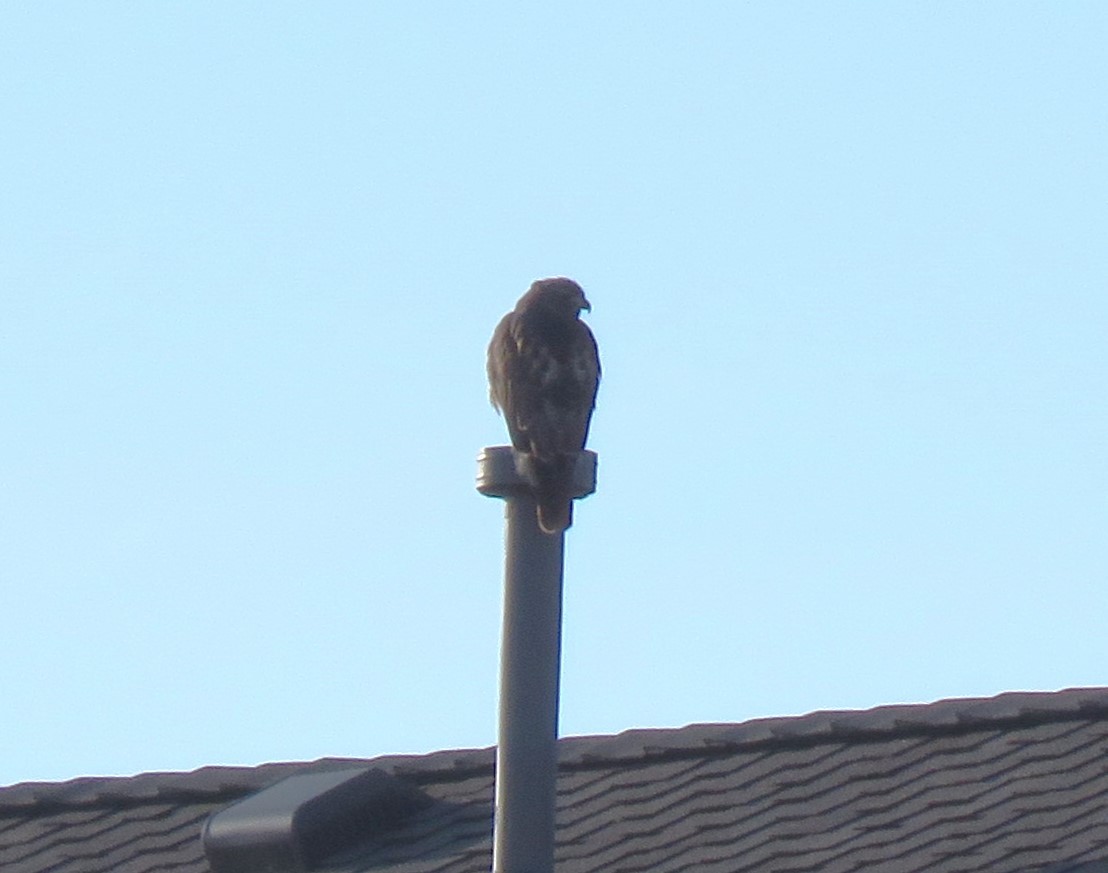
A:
(848, 271)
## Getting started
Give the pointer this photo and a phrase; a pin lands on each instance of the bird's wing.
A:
(510, 387)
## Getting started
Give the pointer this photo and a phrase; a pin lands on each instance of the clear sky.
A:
(849, 271)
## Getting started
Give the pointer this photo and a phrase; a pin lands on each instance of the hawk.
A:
(543, 374)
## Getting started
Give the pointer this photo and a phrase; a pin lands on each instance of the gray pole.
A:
(530, 653)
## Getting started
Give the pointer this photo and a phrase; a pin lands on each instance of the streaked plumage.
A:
(543, 375)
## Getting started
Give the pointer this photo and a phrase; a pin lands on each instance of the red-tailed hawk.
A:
(543, 374)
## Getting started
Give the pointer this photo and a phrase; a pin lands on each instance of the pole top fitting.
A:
(498, 473)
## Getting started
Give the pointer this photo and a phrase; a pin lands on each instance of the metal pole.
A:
(530, 654)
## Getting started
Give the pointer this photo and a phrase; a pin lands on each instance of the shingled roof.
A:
(1010, 784)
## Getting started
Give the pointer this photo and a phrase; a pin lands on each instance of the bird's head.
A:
(560, 295)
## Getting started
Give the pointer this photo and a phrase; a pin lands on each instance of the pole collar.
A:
(498, 473)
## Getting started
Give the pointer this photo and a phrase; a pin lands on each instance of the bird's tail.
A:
(552, 481)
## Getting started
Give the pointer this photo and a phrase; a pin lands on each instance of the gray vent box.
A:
(293, 826)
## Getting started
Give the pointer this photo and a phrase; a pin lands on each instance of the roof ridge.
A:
(946, 716)
(219, 784)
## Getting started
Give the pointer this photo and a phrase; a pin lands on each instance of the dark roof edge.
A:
(956, 715)
(943, 717)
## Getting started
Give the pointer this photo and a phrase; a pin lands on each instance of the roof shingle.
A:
(1009, 784)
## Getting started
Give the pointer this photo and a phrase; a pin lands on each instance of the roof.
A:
(1008, 784)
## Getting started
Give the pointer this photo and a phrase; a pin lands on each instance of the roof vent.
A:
(291, 827)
